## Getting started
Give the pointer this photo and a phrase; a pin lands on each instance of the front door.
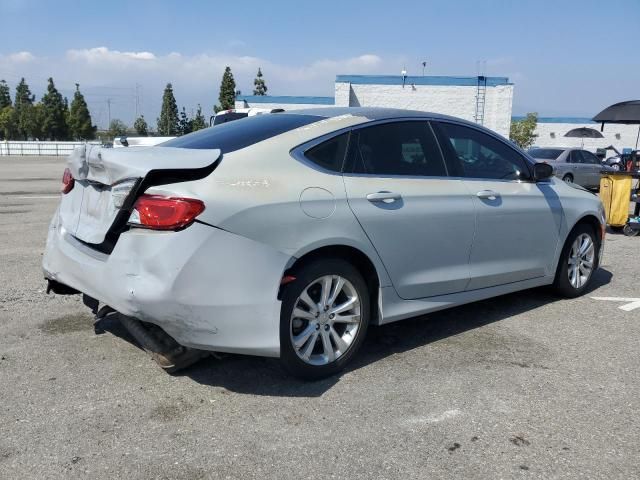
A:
(518, 220)
(420, 221)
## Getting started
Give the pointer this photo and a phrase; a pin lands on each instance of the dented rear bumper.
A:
(207, 288)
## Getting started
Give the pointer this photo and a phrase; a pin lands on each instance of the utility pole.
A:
(109, 111)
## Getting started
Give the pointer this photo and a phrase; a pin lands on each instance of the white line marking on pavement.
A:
(33, 196)
(630, 303)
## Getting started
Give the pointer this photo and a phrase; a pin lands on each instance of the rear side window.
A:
(241, 133)
(479, 155)
(329, 154)
(396, 148)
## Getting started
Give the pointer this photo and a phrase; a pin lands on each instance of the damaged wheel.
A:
(324, 318)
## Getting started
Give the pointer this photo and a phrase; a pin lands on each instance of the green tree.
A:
(80, 127)
(522, 132)
(117, 128)
(36, 117)
(198, 122)
(227, 97)
(7, 123)
(5, 95)
(23, 105)
(259, 86)
(141, 127)
(168, 121)
(185, 124)
(55, 114)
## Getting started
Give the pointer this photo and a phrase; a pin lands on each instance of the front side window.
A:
(396, 148)
(479, 155)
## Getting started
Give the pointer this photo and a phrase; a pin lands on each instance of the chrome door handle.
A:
(386, 197)
(487, 194)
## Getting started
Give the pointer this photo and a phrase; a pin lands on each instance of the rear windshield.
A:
(546, 153)
(232, 136)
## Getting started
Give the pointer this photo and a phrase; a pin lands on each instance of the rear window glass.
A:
(241, 133)
(545, 153)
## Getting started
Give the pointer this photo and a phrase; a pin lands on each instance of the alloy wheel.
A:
(325, 320)
(581, 260)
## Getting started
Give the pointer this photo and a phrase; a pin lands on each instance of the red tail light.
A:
(165, 213)
(67, 181)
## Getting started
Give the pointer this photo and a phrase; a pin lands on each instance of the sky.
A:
(565, 57)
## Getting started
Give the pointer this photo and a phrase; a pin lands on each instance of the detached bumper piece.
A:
(60, 288)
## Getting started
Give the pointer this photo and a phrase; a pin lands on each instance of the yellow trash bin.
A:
(615, 193)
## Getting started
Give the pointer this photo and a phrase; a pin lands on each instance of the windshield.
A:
(228, 117)
(241, 133)
(546, 153)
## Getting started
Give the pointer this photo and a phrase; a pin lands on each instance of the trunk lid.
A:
(104, 177)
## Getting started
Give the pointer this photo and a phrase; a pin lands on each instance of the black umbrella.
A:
(583, 132)
(623, 112)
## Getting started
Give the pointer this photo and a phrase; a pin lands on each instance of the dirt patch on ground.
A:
(74, 322)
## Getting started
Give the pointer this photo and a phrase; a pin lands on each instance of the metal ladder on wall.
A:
(481, 93)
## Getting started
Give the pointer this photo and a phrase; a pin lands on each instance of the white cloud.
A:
(112, 74)
(21, 57)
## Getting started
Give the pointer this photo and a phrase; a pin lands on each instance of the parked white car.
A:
(287, 235)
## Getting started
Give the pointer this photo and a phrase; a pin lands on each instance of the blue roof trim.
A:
(557, 119)
(416, 80)
(286, 99)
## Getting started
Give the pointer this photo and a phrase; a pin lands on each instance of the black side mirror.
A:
(542, 171)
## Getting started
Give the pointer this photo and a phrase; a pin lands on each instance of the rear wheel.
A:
(568, 178)
(578, 262)
(629, 231)
(324, 318)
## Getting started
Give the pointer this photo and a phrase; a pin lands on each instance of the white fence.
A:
(40, 148)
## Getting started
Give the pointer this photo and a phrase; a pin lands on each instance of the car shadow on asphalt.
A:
(246, 374)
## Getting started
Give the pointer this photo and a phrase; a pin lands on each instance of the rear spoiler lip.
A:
(108, 166)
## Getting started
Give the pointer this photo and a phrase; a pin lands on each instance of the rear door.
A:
(518, 220)
(420, 220)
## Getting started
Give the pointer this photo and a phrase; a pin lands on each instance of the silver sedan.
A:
(573, 165)
(288, 234)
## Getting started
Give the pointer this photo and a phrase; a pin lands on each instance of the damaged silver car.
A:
(288, 234)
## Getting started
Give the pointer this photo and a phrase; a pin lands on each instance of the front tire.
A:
(324, 318)
(578, 262)
(568, 178)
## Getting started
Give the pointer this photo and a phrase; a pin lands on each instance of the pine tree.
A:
(184, 125)
(198, 122)
(55, 114)
(5, 95)
(80, 127)
(258, 83)
(227, 97)
(141, 127)
(168, 121)
(23, 105)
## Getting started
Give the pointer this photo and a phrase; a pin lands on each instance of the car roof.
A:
(372, 113)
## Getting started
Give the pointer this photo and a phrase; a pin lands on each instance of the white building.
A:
(486, 100)
(550, 132)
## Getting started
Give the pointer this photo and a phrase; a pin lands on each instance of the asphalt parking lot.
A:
(521, 386)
